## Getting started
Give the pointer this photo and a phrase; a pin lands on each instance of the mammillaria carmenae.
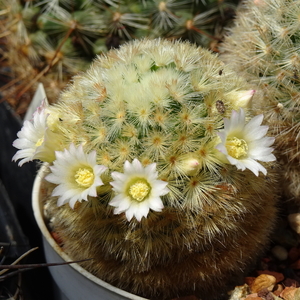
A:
(170, 178)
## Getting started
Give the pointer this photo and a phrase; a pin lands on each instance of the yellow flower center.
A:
(237, 148)
(84, 177)
(39, 142)
(139, 190)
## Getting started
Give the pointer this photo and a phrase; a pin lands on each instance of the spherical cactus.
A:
(160, 174)
(264, 47)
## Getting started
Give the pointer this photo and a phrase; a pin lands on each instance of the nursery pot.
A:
(73, 281)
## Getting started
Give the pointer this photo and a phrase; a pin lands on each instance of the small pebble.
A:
(295, 265)
(280, 253)
(291, 282)
(294, 254)
(253, 297)
(294, 221)
(279, 276)
(263, 282)
(289, 293)
(239, 292)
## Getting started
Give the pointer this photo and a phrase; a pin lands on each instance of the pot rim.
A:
(38, 214)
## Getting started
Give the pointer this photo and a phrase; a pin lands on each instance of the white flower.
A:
(76, 174)
(34, 140)
(244, 144)
(137, 190)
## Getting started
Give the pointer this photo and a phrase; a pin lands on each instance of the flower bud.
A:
(241, 99)
(190, 166)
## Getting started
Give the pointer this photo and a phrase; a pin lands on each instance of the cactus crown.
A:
(155, 101)
(158, 102)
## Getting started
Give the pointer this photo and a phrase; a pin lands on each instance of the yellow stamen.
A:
(236, 147)
(139, 190)
(39, 142)
(84, 177)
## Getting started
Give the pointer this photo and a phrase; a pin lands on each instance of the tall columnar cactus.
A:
(160, 174)
(50, 41)
(264, 46)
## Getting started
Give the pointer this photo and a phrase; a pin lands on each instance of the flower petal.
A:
(254, 166)
(156, 204)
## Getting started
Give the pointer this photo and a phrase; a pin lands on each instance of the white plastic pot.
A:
(73, 282)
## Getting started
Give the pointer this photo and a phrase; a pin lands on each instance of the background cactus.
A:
(162, 104)
(50, 41)
(264, 47)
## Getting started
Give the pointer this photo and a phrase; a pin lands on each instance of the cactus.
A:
(155, 173)
(50, 41)
(264, 47)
